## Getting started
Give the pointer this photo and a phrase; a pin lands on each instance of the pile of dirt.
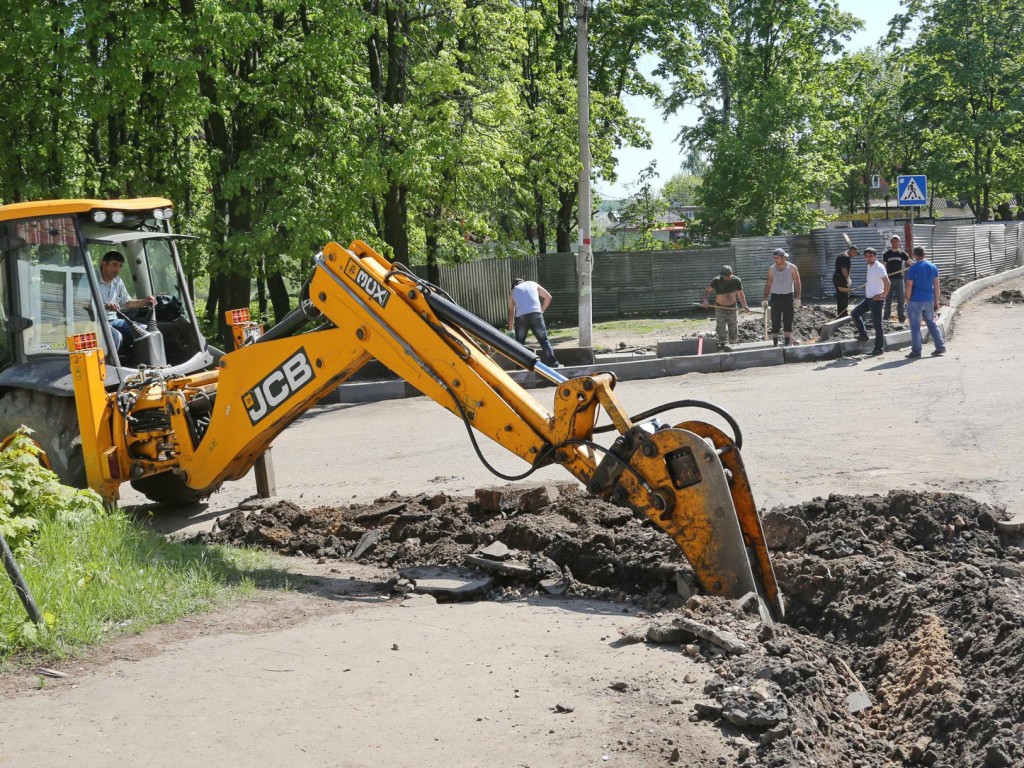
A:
(922, 597)
(947, 285)
(600, 550)
(1010, 297)
(807, 323)
(903, 641)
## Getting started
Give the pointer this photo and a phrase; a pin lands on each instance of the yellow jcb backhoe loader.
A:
(178, 436)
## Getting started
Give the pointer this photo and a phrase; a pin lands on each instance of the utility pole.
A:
(584, 255)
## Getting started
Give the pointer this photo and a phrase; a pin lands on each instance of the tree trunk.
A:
(261, 287)
(396, 219)
(566, 208)
(279, 299)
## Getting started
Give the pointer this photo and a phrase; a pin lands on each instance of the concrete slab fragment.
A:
(1014, 526)
(826, 331)
(502, 567)
(496, 550)
(449, 582)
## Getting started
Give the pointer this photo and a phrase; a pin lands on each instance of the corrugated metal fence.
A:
(653, 283)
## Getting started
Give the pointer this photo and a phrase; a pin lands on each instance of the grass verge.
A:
(101, 575)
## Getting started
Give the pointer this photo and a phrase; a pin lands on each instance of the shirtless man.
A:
(728, 290)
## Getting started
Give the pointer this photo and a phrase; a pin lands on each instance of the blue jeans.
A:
(915, 309)
(896, 291)
(875, 307)
(122, 333)
(534, 321)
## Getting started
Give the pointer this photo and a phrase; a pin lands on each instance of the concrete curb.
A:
(657, 367)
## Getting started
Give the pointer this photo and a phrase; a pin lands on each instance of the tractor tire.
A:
(169, 489)
(54, 421)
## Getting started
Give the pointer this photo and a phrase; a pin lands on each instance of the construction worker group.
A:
(883, 287)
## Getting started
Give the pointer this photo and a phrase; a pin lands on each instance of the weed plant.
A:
(96, 572)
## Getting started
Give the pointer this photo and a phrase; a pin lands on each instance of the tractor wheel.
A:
(168, 488)
(54, 421)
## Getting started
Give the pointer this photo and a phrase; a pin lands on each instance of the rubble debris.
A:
(905, 612)
(1010, 297)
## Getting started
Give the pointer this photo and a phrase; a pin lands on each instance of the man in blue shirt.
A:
(923, 300)
(115, 298)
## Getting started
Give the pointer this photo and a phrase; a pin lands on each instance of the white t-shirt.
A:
(526, 298)
(876, 280)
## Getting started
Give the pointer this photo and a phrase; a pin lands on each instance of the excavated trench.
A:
(904, 639)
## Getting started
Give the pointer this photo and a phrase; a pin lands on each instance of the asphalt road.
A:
(853, 425)
(345, 676)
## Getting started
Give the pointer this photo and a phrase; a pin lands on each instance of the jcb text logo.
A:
(280, 384)
(373, 289)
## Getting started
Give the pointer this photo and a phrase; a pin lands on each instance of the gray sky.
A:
(875, 14)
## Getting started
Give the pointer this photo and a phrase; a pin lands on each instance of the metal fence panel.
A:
(652, 283)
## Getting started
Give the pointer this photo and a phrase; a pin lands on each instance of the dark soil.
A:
(807, 323)
(904, 639)
(1010, 297)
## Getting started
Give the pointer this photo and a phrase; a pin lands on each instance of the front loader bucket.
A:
(710, 514)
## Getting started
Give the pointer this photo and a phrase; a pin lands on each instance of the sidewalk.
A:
(678, 357)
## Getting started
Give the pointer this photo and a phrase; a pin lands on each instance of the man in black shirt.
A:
(896, 262)
(842, 282)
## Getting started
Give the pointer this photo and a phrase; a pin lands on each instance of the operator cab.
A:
(49, 290)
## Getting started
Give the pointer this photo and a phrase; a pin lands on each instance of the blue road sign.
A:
(912, 190)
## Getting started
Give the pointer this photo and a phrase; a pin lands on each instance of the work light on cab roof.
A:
(118, 217)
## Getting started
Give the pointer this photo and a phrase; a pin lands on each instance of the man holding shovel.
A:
(841, 280)
(728, 291)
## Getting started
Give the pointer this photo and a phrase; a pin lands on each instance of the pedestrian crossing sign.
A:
(912, 190)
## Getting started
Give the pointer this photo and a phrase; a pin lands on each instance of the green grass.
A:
(105, 575)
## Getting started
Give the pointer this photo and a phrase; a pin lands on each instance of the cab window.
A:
(52, 286)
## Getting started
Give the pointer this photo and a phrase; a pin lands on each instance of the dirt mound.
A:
(1011, 297)
(923, 599)
(903, 643)
(601, 550)
(807, 323)
(949, 284)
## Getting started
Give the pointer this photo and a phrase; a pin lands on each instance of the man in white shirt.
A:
(115, 298)
(526, 305)
(875, 290)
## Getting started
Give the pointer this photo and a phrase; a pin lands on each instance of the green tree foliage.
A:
(276, 125)
(762, 74)
(681, 189)
(963, 88)
(645, 210)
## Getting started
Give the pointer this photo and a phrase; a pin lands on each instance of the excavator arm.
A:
(207, 428)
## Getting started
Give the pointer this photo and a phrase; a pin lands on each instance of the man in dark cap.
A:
(896, 262)
(841, 280)
(729, 297)
(783, 285)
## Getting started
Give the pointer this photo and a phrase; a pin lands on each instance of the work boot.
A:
(775, 341)
(788, 343)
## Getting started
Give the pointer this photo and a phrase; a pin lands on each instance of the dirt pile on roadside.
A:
(601, 550)
(923, 598)
(904, 639)
(947, 285)
(807, 323)
(1010, 297)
